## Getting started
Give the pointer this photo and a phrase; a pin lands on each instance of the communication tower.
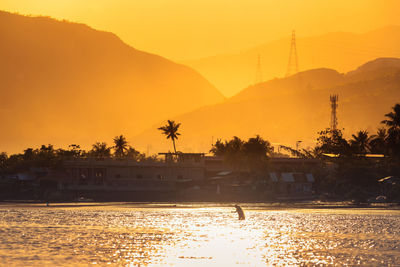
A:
(334, 105)
(293, 65)
(259, 70)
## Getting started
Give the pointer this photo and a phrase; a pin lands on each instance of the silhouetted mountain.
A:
(295, 108)
(376, 68)
(340, 51)
(66, 82)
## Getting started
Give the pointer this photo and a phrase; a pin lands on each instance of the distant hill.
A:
(295, 108)
(340, 51)
(63, 82)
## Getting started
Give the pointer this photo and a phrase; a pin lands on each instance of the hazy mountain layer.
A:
(65, 83)
(340, 51)
(295, 108)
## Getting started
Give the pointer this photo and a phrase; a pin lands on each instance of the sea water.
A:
(131, 234)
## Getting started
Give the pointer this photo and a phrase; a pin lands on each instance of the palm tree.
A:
(219, 148)
(171, 131)
(234, 152)
(258, 147)
(393, 138)
(120, 146)
(393, 121)
(256, 151)
(378, 142)
(100, 150)
(361, 142)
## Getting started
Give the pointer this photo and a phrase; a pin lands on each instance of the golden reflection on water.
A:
(196, 235)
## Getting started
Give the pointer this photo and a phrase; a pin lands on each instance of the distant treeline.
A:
(352, 167)
(49, 157)
(347, 171)
(385, 141)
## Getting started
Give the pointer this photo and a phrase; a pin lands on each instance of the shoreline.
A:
(195, 205)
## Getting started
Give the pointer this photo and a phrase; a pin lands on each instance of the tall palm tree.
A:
(120, 146)
(361, 142)
(393, 121)
(171, 131)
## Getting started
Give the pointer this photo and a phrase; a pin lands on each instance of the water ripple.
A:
(195, 236)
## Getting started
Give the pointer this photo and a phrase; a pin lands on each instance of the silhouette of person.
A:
(239, 212)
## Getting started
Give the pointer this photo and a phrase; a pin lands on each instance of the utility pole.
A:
(293, 65)
(334, 104)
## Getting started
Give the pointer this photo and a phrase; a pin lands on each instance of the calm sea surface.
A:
(195, 235)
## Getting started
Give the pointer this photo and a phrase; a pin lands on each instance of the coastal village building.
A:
(186, 176)
(284, 178)
(126, 178)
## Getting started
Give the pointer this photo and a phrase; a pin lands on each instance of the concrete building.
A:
(184, 176)
(103, 178)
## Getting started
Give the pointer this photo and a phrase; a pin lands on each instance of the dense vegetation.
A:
(49, 157)
(352, 167)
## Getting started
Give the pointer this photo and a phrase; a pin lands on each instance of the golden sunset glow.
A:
(183, 30)
(199, 132)
(219, 40)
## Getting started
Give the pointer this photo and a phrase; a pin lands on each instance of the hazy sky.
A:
(187, 29)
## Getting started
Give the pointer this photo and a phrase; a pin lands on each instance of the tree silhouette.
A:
(393, 121)
(361, 142)
(332, 142)
(75, 150)
(378, 142)
(133, 154)
(219, 148)
(253, 153)
(393, 124)
(301, 153)
(120, 146)
(171, 131)
(3, 161)
(257, 147)
(29, 154)
(256, 151)
(234, 152)
(100, 150)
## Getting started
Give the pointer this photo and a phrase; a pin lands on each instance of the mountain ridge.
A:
(71, 83)
(286, 110)
(342, 51)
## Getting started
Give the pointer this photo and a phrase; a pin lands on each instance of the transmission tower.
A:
(293, 66)
(334, 105)
(259, 70)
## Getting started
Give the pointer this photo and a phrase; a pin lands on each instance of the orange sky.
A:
(182, 29)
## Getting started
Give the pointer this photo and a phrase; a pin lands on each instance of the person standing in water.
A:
(239, 212)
